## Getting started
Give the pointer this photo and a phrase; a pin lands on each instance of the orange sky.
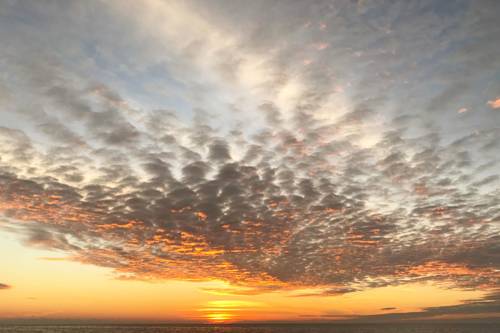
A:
(50, 288)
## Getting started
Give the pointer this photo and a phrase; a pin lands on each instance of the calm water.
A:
(381, 328)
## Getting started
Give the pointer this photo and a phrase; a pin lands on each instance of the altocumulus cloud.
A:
(4, 286)
(345, 173)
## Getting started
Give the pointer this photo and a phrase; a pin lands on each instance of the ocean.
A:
(347, 328)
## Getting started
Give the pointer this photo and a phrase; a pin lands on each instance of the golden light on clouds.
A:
(494, 104)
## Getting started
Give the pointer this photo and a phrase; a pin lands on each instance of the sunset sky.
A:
(249, 161)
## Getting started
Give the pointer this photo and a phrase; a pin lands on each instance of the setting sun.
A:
(219, 317)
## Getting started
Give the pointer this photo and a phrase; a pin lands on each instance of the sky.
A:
(249, 161)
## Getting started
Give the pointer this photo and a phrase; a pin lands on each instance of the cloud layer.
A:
(333, 157)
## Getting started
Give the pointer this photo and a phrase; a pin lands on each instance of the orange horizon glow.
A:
(69, 290)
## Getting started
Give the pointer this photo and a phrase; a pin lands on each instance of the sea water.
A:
(350, 328)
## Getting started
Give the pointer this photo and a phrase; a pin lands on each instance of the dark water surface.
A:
(352, 328)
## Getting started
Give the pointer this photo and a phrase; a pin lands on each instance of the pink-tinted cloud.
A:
(494, 104)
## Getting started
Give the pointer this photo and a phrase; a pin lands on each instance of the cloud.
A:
(327, 292)
(275, 218)
(4, 286)
(494, 104)
(165, 165)
(488, 307)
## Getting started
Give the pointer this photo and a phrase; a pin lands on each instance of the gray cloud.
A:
(4, 286)
(489, 305)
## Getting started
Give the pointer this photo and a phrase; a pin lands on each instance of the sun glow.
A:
(219, 317)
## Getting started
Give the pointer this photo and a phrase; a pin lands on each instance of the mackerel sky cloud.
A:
(336, 146)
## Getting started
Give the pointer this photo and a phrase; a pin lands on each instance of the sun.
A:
(219, 317)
